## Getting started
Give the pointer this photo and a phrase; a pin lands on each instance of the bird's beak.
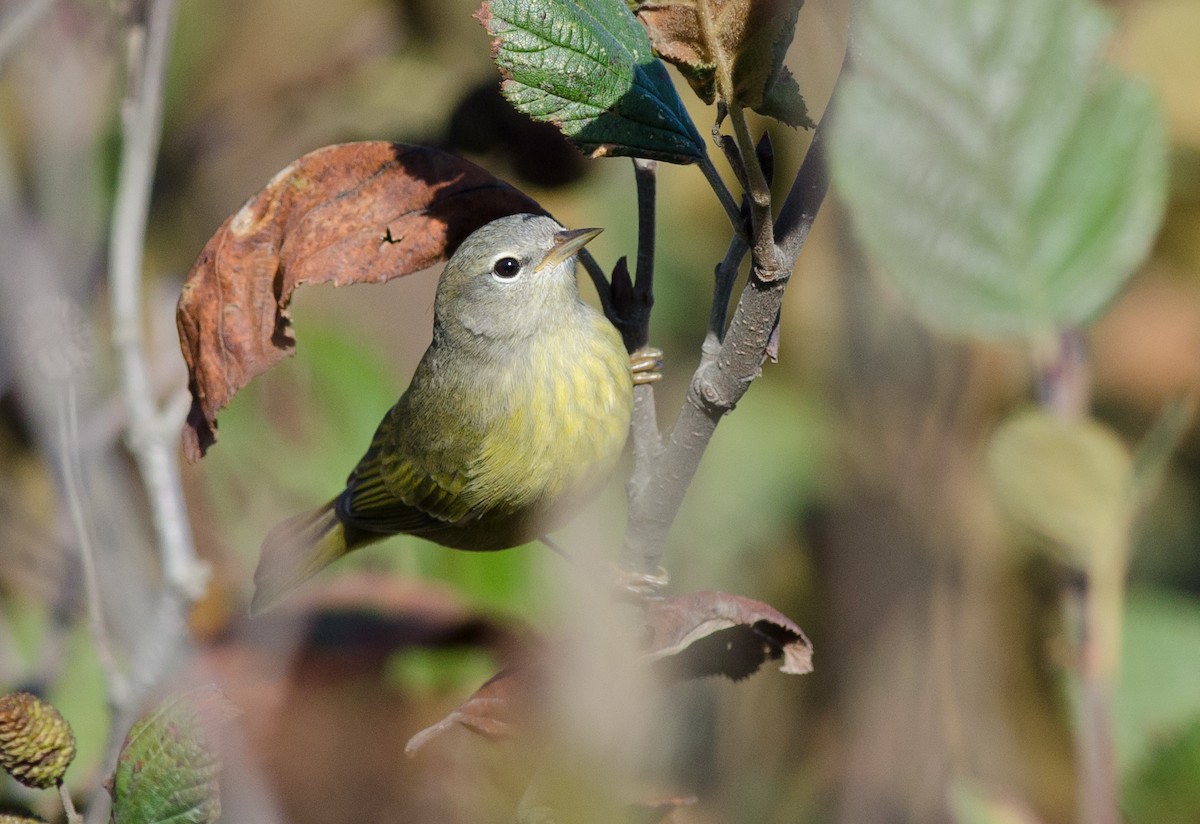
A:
(566, 243)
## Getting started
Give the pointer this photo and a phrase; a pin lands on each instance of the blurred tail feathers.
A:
(294, 551)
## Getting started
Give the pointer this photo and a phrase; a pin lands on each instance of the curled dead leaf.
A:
(495, 710)
(715, 633)
(350, 213)
(690, 636)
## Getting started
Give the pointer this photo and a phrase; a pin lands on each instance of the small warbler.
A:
(518, 410)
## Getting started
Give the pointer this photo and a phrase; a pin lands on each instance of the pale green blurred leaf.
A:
(1165, 789)
(972, 804)
(1006, 177)
(1064, 483)
(1158, 694)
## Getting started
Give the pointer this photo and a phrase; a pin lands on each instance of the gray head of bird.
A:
(511, 278)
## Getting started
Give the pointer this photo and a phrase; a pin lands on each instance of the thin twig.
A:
(17, 25)
(728, 203)
(151, 439)
(72, 481)
(646, 440)
(73, 816)
(759, 191)
(724, 276)
(599, 280)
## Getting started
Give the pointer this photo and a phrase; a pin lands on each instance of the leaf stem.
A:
(732, 210)
(759, 191)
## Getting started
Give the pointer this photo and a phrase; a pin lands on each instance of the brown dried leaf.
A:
(714, 633)
(746, 38)
(691, 636)
(350, 213)
(495, 710)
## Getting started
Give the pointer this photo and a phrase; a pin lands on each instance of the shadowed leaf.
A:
(714, 633)
(745, 38)
(589, 69)
(350, 213)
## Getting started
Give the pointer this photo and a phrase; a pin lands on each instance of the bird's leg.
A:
(626, 583)
(646, 362)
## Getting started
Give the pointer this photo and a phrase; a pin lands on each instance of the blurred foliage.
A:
(844, 490)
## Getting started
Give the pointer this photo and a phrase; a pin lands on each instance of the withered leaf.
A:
(745, 38)
(495, 710)
(690, 636)
(714, 633)
(350, 213)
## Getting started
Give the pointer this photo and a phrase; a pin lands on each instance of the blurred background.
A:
(846, 490)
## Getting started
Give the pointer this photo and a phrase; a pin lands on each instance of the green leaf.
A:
(167, 771)
(1066, 484)
(971, 803)
(1165, 790)
(1006, 178)
(1158, 693)
(588, 68)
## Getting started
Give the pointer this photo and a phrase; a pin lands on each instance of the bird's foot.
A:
(646, 362)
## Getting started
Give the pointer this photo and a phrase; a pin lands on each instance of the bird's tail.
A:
(294, 551)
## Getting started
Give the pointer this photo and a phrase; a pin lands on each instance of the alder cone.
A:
(36, 742)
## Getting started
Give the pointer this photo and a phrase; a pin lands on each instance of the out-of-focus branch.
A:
(152, 439)
(17, 25)
(72, 483)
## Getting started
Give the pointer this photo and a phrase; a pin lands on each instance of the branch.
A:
(634, 303)
(17, 25)
(723, 378)
(152, 438)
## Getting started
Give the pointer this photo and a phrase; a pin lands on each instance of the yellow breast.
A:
(565, 422)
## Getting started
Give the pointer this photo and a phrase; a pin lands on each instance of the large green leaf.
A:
(167, 772)
(1007, 178)
(588, 68)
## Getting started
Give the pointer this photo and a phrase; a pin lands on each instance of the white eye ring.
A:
(506, 269)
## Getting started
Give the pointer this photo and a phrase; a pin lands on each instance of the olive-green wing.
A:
(390, 496)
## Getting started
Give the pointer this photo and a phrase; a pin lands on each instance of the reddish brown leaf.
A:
(745, 39)
(351, 213)
(495, 710)
(714, 633)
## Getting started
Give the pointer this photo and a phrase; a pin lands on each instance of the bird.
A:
(516, 414)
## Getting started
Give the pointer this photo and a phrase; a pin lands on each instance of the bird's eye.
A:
(506, 268)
